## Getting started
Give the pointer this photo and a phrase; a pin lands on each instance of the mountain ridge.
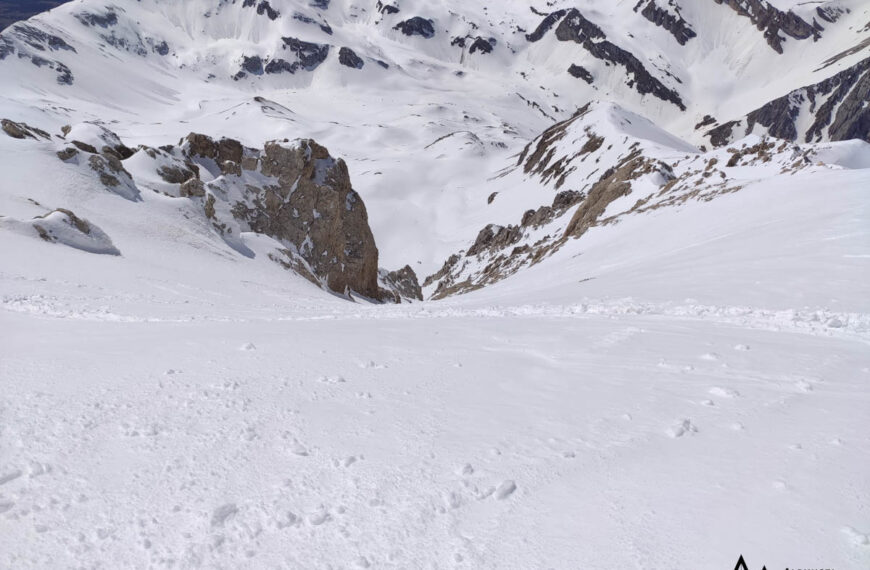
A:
(415, 82)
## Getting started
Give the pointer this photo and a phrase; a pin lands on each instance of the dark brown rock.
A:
(175, 174)
(494, 237)
(315, 208)
(22, 130)
(192, 188)
(67, 154)
(85, 147)
(403, 284)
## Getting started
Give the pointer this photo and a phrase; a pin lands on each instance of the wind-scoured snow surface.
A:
(671, 390)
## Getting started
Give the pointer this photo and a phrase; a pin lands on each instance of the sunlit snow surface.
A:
(691, 386)
(671, 391)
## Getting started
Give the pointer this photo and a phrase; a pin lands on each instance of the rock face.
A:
(837, 105)
(581, 72)
(546, 25)
(417, 26)
(349, 58)
(481, 45)
(227, 153)
(308, 204)
(773, 21)
(263, 8)
(308, 54)
(672, 22)
(21, 130)
(315, 208)
(294, 192)
(402, 284)
(34, 44)
(387, 8)
(575, 27)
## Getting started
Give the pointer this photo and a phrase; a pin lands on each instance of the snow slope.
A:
(679, 381)
(481, 108)
(668, 379)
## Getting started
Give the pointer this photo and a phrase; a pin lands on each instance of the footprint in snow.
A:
(453, 500)
(742, 348)
(288, 520)
(248, 347)
(223, 513)
(723, 392)
(505, 490)
(298, 449)
(684, 427)
(857, 538)
(332, 379)
(708, 403)
(320, 517)
(11, 476)
(347, 461)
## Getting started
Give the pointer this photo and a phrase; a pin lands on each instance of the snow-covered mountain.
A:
(426, 83)
(628, 242)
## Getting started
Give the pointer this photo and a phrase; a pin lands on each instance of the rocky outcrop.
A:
(672, 22)
(252, 65)
(315, 208)
(113, 176)
(387, 8)
(309, 55)
(401, 285)
(837, 105)
(263, 8)
(226, 153)
(475, 44)
(482, 45)
(294, 192)
(830, 13)
(40, 40)
(62, 226)
(324, 27)
(615, 183)
(22, 130)
(308, 204)
(503, 250)
(773, 21)
(33, 44)
(417, 26)
(546, 25)
(574, 27)
(581, 72)
(106, 19)
(348, 58)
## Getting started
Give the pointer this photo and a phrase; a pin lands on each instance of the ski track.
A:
(808, 321)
